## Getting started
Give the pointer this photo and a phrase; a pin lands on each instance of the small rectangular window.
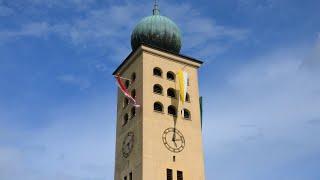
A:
(179, 175)
(130, 176)
(169, 174)
(125, 178)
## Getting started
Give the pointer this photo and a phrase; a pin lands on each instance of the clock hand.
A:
(175, 144)
(174, 135)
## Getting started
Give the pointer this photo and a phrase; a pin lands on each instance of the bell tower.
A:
(160, 139)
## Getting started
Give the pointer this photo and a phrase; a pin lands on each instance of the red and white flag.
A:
(125, 91)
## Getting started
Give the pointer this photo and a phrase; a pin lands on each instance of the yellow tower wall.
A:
(150, 158)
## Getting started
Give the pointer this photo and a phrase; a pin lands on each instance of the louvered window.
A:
(169, 174)
(157, 89)
(157, 106)
(157, 72)
(170, 76)
(172, 110)
(179, 175)
(187, 97)
(171, 93)
(133, 112)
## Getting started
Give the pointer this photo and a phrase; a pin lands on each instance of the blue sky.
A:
(260, 83)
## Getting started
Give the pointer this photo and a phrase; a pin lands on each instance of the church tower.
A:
(160, 139)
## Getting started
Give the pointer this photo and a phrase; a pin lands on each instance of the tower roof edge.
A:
(146, 46)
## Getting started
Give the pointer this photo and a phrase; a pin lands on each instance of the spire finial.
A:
(156, 10)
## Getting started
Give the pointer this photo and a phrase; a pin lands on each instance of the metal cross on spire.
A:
(156, 10)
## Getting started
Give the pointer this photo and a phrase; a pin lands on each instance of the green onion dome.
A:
(158, 31)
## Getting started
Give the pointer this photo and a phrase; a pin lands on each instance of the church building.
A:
(159, 118)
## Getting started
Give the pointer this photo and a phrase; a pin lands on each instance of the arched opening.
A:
(125, 119)
(125, 102)
(187, 97)
(157, 72)
(170, 76)
(127, 83)
(157, 88)
(172, 110)
(133, 93)
(171, 93)
(186, 113)
(133, 77)
(133, 112)
(157, 106)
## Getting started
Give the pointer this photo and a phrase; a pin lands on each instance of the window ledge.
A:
(161, 94)
(161, 112)
(172, 115)
(157, 76)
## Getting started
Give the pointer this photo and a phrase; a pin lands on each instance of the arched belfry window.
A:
(157, 88)
(187, 97)
(171, 93)
(186, 114)
(133, 93)
(172, 110)
(125, 119)
(127, 83)
(125, 102)
(157, 106)
(170, 76)
(157, 72)
(133, 77)
(133, 112)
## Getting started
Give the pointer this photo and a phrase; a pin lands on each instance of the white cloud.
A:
(81, 82)
(76, 143)
(34, 29)
(263, 119)
(109, 28)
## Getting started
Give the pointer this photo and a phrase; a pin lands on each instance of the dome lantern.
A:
(158, 31)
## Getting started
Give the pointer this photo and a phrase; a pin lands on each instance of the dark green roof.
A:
(158, 31)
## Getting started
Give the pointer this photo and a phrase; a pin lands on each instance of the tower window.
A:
(133, 77)
(187, 97)
(125, 102)
(133, 93)
(125, 119)
(157, 106)
(186, 113)
(171, 93)
(133, 112)
(169, 174)
(127, 83)
(179, 175)
(157, 89)
(170, 76)
(172, 110)
(157, 72)
(125, 178)
(130, 176)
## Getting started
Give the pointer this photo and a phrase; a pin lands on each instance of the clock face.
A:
(173, 140)
(127, 144)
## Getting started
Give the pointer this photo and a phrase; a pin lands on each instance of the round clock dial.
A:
(173, 140)
(127, 144)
